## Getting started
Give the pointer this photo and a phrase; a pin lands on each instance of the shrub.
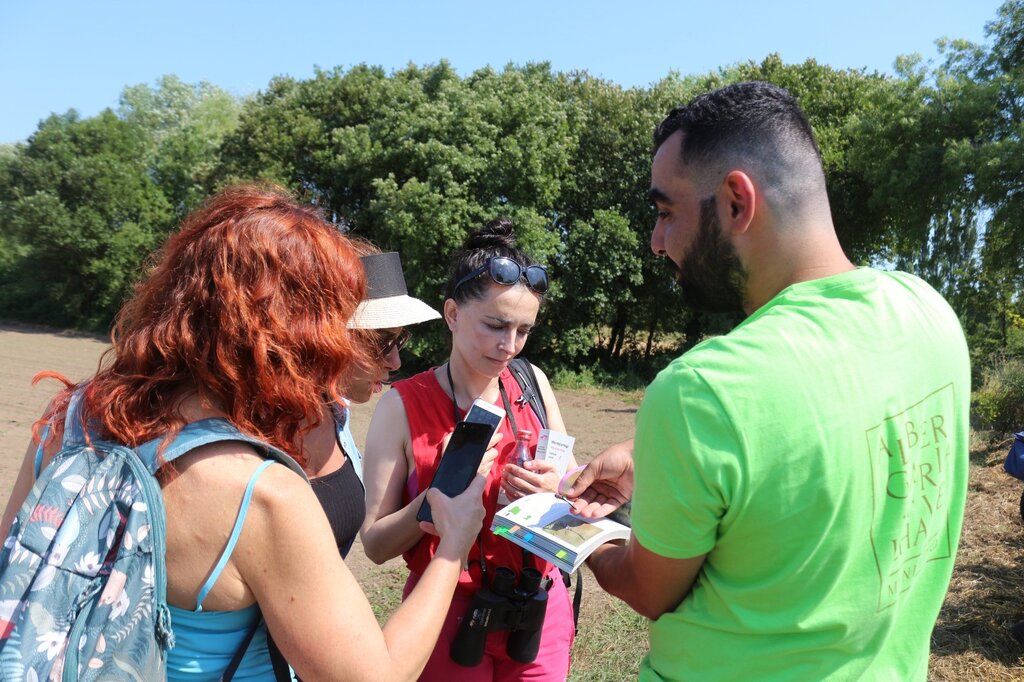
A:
(999, 402)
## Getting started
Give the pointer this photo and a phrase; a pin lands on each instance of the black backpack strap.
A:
(236, 660)
(282, 672)
(522, 372)
(577, 597)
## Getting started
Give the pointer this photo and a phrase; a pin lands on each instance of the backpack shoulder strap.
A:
(39, 452)
(204, 432)
(522, 372)
(524, 375)
(73, 432)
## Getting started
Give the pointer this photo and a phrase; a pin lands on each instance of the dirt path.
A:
(596, 420)
(971, 640)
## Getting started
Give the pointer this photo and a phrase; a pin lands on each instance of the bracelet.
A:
(569, 479)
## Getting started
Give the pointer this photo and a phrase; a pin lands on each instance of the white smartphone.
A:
(483, 412)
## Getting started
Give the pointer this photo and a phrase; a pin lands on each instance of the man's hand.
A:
(606, 483)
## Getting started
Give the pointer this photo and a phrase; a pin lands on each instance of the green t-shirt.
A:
(818, 455)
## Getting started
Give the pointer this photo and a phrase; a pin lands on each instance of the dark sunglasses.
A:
(507, 272)
(396, 341)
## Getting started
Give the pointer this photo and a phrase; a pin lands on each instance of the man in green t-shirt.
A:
(798, 484)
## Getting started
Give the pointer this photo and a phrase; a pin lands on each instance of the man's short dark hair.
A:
(754, 126)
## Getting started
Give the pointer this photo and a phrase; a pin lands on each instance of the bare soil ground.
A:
(971, 640)
(596, 419)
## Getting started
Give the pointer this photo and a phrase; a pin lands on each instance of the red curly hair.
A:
(245, 307)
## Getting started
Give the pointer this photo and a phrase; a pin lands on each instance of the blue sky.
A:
(59, 55)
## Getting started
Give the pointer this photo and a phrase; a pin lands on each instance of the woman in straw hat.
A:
(381, 320)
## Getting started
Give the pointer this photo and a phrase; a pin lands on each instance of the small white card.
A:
(555, 446)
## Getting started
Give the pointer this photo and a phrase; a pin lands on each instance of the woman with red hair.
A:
(243, 318)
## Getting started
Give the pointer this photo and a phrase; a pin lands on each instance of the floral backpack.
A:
(82, 571)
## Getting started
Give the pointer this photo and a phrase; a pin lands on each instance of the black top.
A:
(341, 495)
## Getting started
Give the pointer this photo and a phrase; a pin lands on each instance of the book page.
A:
(551, 517)
(571, 530)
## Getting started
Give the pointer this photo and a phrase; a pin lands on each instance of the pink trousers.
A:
(551, 664)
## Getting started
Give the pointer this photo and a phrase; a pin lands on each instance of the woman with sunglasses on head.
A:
(492, 297)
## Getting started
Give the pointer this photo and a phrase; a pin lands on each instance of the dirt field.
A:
(596, 420)
(970, 642)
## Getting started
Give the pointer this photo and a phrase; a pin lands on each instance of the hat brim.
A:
(390, 312)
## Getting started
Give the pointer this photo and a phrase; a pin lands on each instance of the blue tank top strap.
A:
(235, 532)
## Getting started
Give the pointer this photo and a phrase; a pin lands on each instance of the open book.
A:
(544, 524)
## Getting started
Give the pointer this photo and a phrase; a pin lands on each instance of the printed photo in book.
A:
(545, 525)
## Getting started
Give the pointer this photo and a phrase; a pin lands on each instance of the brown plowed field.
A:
(970, 642)
(596, 419)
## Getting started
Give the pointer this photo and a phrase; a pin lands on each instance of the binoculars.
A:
(504, 605)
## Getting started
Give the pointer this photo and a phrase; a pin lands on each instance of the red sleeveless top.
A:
(429, 412)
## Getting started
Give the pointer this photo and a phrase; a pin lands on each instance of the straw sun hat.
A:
(388, 303)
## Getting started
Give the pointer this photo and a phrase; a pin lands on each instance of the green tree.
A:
(997, 77)
(614, 288)
(84, 212)
(186, 125)
(417, 159)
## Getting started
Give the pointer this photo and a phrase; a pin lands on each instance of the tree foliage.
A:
(184, 126)
(924, 171)
(84, 213)
(84, 201)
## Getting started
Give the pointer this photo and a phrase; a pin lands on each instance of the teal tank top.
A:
(206, 641)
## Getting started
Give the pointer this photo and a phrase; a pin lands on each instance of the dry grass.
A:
(972, 640)
(612, 638)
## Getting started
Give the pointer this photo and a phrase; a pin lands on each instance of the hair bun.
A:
(498, 233)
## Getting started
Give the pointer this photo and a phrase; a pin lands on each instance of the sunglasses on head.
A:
(390, 342)
(507, 272)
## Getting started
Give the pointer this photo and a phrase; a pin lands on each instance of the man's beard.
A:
(711, 277)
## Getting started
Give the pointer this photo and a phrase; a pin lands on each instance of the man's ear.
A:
(451, 313)
(737, 199)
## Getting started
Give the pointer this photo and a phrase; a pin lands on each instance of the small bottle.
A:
(523, 454)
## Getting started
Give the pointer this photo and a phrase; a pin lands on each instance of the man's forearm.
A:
(651, 584)
(611, 565)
